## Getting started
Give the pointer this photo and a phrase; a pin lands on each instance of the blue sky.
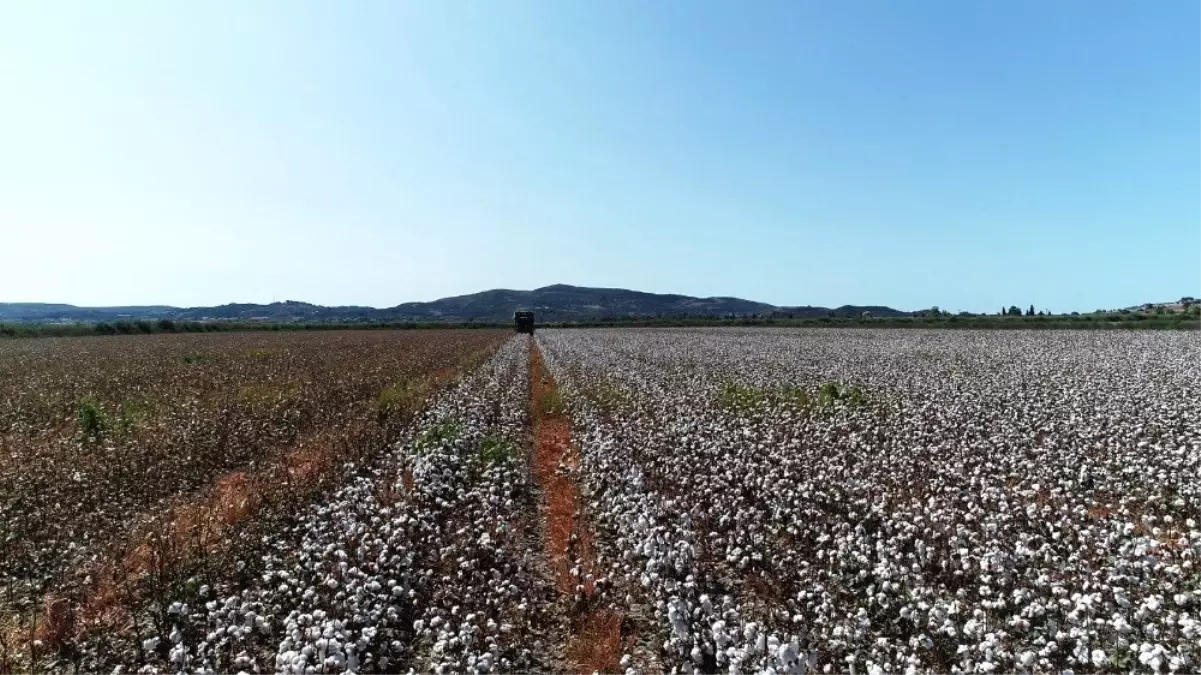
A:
(960, 154)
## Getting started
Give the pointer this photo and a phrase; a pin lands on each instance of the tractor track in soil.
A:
(595, 633)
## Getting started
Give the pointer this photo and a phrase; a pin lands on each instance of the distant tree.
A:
(1014, 310)
(1030, 312)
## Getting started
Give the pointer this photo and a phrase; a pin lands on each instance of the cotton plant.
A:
(415, 564)
(996, 501)
(982, 502)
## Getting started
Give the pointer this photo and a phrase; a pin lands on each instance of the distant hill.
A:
(557, 303)
(574, 303)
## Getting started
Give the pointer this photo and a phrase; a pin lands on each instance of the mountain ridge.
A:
(554, 303)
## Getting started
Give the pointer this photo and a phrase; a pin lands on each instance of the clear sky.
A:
(960, 154)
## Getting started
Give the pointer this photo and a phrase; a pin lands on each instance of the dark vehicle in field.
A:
(523, 322)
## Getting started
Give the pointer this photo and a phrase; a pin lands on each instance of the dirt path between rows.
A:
(594, 642)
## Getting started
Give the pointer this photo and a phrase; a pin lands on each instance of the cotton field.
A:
(421, 562)
(133, 467)
(622, 500)
(904, 501)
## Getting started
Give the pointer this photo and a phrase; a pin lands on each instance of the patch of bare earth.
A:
(594, 642)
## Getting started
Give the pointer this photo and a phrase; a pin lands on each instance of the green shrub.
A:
(91, 418)
(552, 403)
(741, 398)
(401, 398)
(608, 397)
(829, 393)
(132, 412)
(852, 396)
(443, 433)
(495, 449)
(796, 396)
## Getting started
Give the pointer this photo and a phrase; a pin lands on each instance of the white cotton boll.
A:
(178, 653)
(677, 616)
(788, 658)
(718, 631)
(1120, 624)
(1152, 660)
(150, 644)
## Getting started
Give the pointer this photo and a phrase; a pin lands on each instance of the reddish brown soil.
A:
(594, 644)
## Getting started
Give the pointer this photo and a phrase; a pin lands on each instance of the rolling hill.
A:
(556, 303)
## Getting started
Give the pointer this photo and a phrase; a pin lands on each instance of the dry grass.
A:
(596, 645)
(58, 624)
(14, 645)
